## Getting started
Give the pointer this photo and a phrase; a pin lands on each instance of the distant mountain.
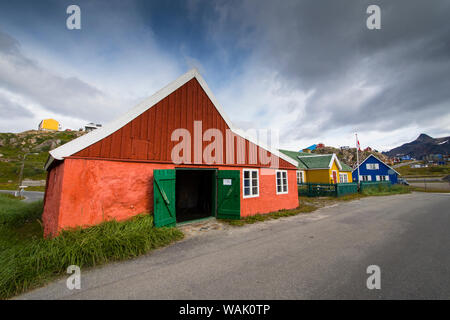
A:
(421, 147)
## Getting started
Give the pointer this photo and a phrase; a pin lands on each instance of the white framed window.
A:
(281, 181)
(382, 178)
(300, 177)
(251, 183)
(366, 178)
(343, 178)
(372, 166)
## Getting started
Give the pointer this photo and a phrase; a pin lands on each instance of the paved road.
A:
(322, 255)
(30, 196)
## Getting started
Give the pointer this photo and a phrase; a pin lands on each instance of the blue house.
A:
(373, 169)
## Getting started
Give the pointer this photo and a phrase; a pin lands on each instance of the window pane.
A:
(254, 174)
(254, 190)
(284, 174)
(278, 188)
(278, 182)
(284, 188)
(246, 183)
(254, 182)
(246, 191)
(246, 174)
(278, 174)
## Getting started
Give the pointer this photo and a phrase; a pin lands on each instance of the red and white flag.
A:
(357, 144)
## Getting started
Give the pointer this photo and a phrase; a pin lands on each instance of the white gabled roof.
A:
(335, 158)
(92, 137)
(371, 155)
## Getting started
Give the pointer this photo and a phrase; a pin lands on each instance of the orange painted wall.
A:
(52, 200)
(269, 200)
(91, 191)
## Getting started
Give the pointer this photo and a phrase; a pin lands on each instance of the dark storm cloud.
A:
(366, 79)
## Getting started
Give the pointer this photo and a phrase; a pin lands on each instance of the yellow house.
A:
(320, 168)
(49, 124)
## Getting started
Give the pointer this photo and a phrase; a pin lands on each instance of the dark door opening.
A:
(194, 194)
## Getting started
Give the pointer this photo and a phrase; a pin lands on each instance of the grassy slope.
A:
(430, 171)
(27, 260)
(25, 142)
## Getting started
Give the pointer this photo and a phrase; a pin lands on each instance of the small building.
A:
(91, 126)
(373, 169)
(177, 156)
(49, 124)
(310, 148)
(320, 168)
(405, 158)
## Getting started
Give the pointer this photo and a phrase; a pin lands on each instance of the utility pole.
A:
(19, 190)
(357, 156)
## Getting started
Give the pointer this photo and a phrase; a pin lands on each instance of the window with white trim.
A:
(300, 177)
(343, 178)
(372, 166)
(282, 182)
(251, 183)
(382, 178)
(366, 178)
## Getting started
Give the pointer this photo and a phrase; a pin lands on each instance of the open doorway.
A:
(195, 194)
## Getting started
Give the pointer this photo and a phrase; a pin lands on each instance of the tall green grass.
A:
(27, 262)
(14, 212)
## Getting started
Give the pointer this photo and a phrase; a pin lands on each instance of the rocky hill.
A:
(348, 156)
(32, 144)
(422, 146)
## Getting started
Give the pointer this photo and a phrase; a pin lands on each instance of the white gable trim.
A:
(94, 136)
(378, 160)
(334, 157)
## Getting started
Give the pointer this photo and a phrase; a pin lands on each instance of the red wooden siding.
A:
(147, 137)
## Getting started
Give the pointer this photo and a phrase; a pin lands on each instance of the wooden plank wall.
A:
(148, 137)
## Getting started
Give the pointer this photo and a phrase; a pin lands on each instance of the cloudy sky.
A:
(311, 69)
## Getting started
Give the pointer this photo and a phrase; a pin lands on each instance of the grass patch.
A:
(14, 212)
(303, 208)
(14, 186)
(27, 260)
(429, 171)
(382, 190)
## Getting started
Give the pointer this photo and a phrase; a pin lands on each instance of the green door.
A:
(228, 194)
(164, 198)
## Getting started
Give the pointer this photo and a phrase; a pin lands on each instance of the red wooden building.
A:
(165, 157)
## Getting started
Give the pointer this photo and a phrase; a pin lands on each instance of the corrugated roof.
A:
(294, 155)
(346, 167)
(316, 161)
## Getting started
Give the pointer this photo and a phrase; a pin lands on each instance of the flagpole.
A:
(357, 156)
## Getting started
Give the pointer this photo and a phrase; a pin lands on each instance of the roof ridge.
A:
(92, 137)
